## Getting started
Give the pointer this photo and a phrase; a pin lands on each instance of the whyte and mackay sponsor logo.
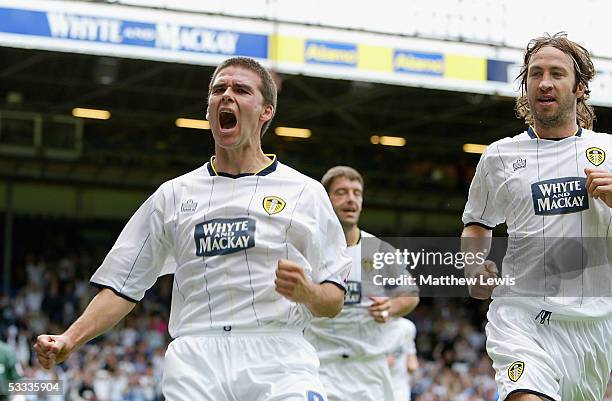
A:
(149, 34)
(224, 236)
(560, 196)
(353, 293)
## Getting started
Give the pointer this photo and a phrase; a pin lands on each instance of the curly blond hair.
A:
(584, 72)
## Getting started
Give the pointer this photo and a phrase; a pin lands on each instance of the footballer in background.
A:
(353, 346)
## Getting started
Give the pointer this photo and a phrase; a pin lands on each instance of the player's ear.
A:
(580, 90)
(267, 113)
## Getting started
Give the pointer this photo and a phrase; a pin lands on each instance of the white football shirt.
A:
(560, 238)
(402, 335)
(354, 332)
(222, 236)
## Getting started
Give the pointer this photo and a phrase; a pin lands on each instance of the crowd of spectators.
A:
(126, 363)
(450, 343)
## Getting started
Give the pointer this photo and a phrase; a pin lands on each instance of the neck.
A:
(351, 234)
(560, 131)
(240, 161)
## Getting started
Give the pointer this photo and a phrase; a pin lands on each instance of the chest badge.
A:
(367, 264)
(596, 156)
(273, 204)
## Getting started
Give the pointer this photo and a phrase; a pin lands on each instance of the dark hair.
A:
(267, 89)
(584, 71)
(340, 171)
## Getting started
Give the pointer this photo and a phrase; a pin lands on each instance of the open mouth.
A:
(546, 99)
(227, 119)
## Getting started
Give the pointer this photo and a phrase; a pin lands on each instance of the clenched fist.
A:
(482, 273)
(292, 283)
(51, 350)
(599, 184)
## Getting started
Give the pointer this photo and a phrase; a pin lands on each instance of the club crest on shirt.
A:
(367, 264)
(559, 196)
(595, 155)
(273, 204)
(224, 236)
(515, 371)
(189, 206)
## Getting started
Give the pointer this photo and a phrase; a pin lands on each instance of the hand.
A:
(487, 270)
(292, 283)
(599, 184)
(380, 309)
(51, 350)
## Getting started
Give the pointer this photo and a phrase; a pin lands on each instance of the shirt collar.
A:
(267, 169)
(534, 135)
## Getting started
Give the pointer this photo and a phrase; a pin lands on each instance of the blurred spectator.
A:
(126, 363)
(9, 368)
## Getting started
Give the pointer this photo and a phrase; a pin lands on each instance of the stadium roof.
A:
(140, 145)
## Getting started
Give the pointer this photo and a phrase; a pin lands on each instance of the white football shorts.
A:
(242, 366)
(556, 358)
(357, 378)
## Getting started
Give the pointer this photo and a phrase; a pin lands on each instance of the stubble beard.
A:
(557, 119)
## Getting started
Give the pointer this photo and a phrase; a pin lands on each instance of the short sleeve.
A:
(331, 261)
(133, 264)
(481, 206)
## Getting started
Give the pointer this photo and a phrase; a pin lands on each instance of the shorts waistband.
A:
(350, 357)
(542, 311)
(242, 331)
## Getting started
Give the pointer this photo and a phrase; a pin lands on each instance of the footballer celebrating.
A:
(550, 337)
(256, 252)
